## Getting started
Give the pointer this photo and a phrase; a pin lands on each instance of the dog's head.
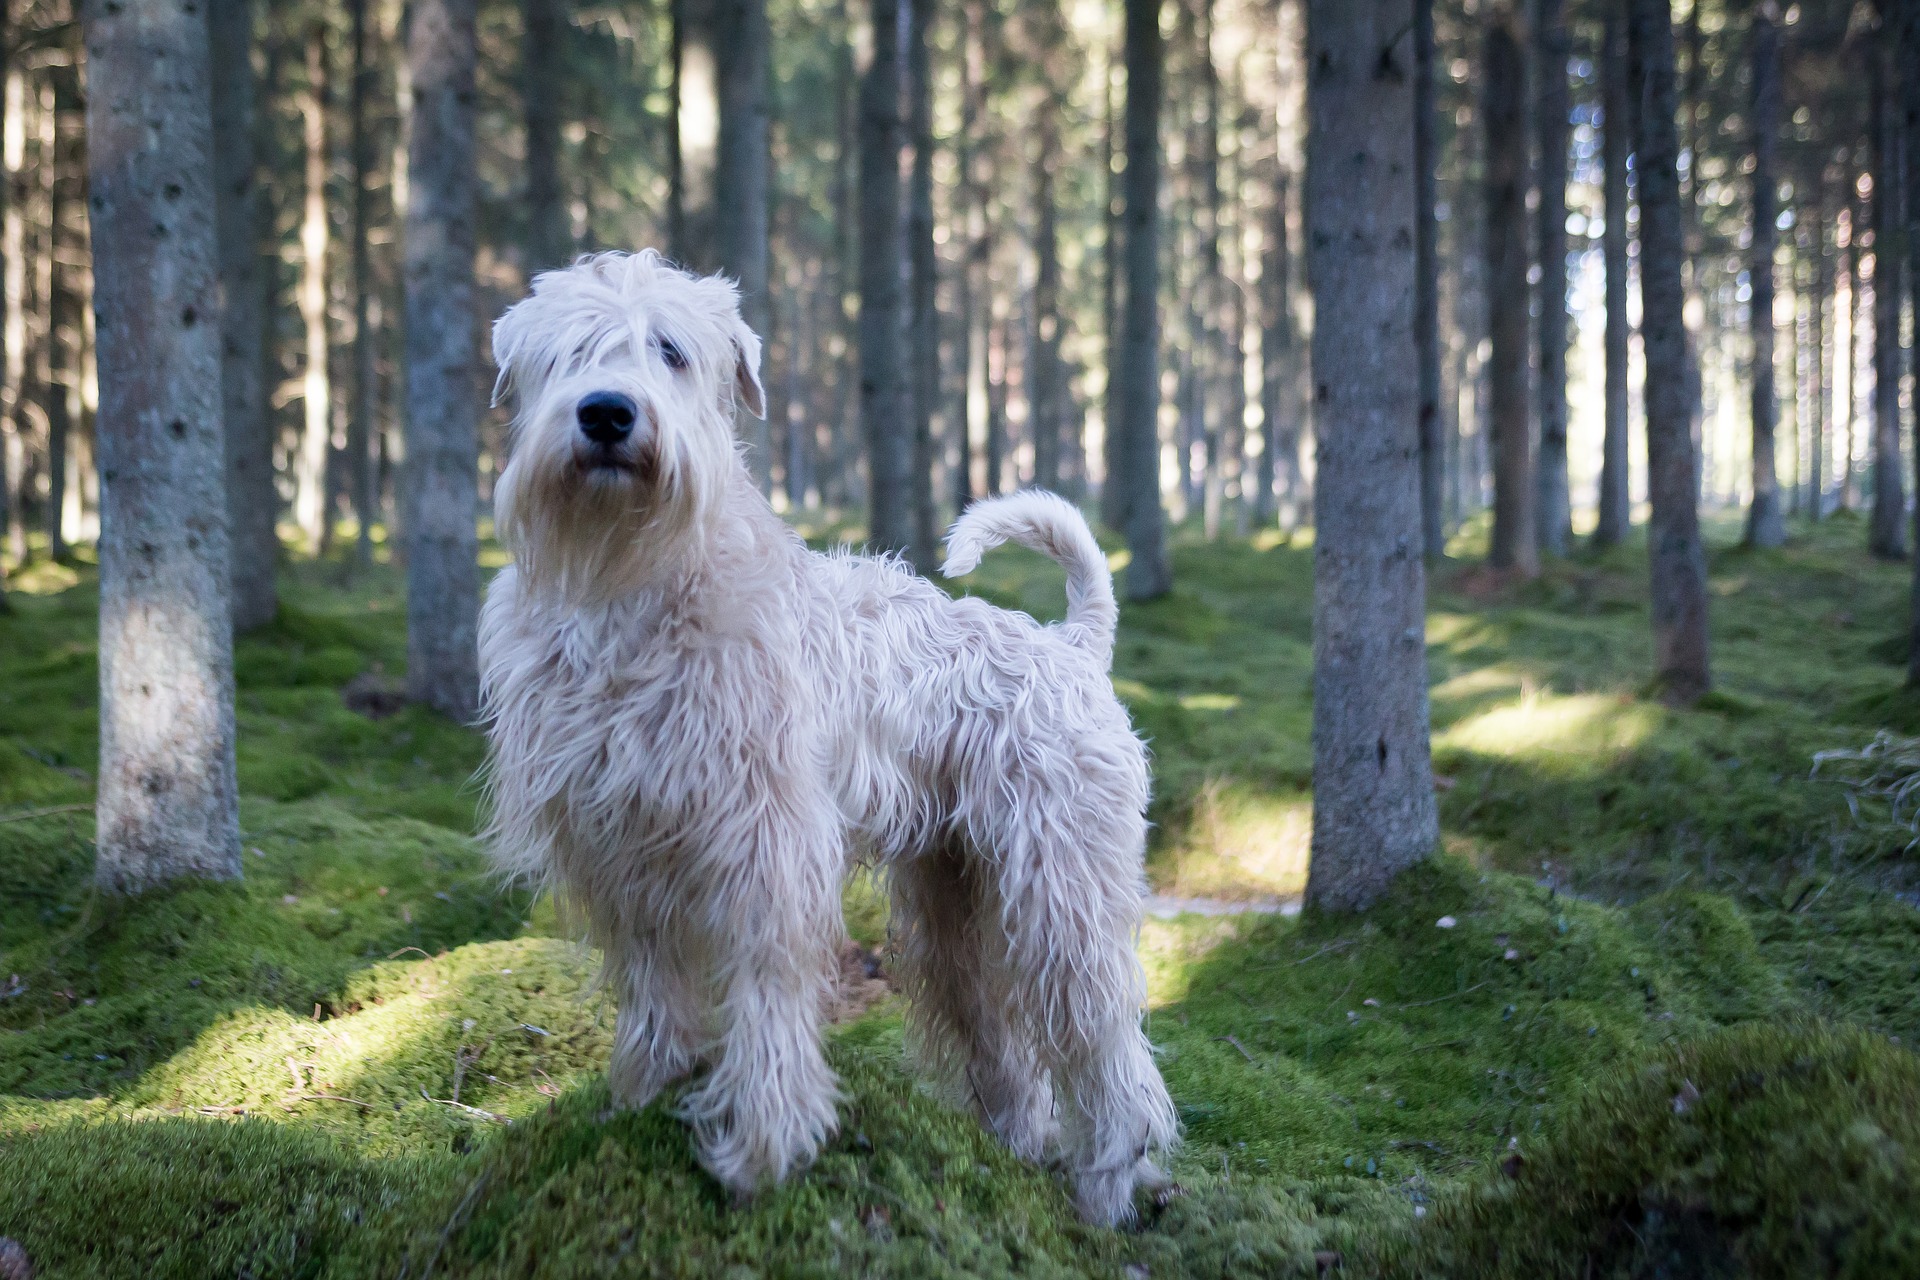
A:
(626, 370)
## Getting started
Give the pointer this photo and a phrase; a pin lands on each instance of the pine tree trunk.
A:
(1766, 527)
(542, 80)
(252, 501)
(1373, 809)
(971, 282)
(1504, 110)
(360, 461)
(1111, 488)
(7, 428)
(1909, 64)
(742, 204)
(65, 322)
(1044, 362)
(1616, 502)
(1678, 560)
(316, 437)
(1280, 458)
(439, 486)
(1553, 517)
(1149, 572)
(923, 316)
(1426, 297)
(167, 797)
(1887, 537)
(1822, 376)
(885, 404)
(693, 137)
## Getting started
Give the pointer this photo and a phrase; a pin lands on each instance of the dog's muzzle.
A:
(607, 437)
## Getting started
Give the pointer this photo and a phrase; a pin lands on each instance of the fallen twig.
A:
(1421, 1004)
(449, 1102)
(1235, 1042)
(30, 814)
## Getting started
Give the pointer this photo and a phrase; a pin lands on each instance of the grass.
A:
(1649, 1014)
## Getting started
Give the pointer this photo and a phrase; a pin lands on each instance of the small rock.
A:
(374, 695)
(1511, 954)
(1687, 1099)
(1371, 1002)
(1136, 1271)
(1325, 1260)
(14, 1262)
(1512, 1164)
(1445, 922)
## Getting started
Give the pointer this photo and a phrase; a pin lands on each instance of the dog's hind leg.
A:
(950, 957)
(655, 1031)
(768, 1102)
(1073, 908)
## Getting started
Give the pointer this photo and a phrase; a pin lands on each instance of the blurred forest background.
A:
(599, 125)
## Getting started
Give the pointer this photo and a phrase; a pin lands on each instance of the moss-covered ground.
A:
(1649, 1014)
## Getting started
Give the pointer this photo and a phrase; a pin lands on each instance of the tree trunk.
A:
(1553, 516)
(1280, 458)
(1616, 503)
(1373, 806)
(1766, 527)
(1678, 560)
(7, 248)
(1111, 487)
(252, 501)
(885, 404)
(167, 797)
(1043, 396)
(1909, 63)
(61, 387)
(1149, 572)
(1504, 110)
(971, 284)
(310, 474)
(1426, 285)
(542, 84)
(365, 390)
(693, 136)
(741, 203)
(1822, 392)
(439, 486)
(1887, 536)
(923, 316)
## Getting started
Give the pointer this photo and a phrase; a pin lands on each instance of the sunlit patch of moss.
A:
(1235, 842)
(1589, 727)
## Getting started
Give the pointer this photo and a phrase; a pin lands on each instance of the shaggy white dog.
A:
(699, 726)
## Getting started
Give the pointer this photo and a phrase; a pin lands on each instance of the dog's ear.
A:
(746, 369)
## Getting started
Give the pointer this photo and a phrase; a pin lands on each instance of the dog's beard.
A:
(588, 524)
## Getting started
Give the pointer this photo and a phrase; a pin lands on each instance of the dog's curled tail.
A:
(1055, 528)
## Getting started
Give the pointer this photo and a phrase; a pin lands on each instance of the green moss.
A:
(1762, 1151)
(258, 1077)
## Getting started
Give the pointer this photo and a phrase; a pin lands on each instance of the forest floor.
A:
(1651, 1013)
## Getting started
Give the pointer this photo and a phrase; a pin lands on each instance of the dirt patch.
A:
(860, 984)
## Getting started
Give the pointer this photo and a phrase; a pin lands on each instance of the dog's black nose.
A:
(606, 417)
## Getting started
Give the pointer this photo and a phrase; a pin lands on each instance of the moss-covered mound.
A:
(1759, 1151)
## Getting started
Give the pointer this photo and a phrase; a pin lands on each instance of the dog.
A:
(698, 726)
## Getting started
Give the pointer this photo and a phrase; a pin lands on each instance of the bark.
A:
(1678, 560)
(971, 284)
(1504, 110)
(1426, 296)
(542, 78)
(1616, 504)
(1822, 375)
(923, 316)
(1043, 363)
(439, 488)
(1373, 810)
(166, 802)
(310, 473)
(360, 462)
(1149, 571)
(1110, 486)
(252, 502)
(64, 321)
(10, 425)
(885, 403)
(1909, 64)
(1766, 526)
(1887, 531)
(742, 184)
(693, 134)
(1553, 516)
(1280, 459)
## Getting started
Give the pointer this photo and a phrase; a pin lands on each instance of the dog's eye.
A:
(672, 354)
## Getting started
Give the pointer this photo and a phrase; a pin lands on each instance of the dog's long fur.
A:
(698, 726)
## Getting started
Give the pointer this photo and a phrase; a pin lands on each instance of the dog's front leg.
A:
(768, 1102)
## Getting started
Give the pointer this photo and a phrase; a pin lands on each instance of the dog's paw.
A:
(1105, 1197)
